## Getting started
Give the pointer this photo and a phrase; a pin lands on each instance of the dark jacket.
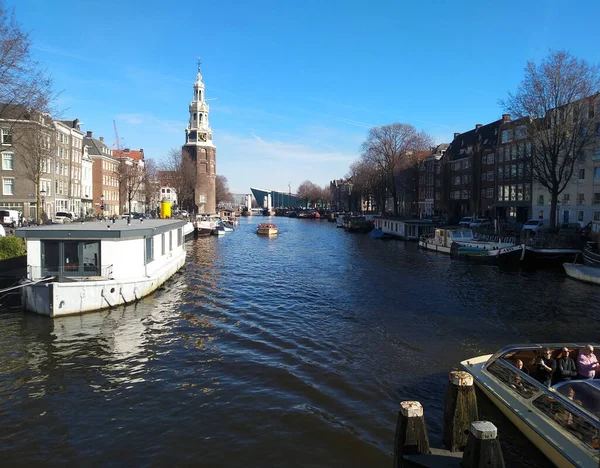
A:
(566, 369)
(542, 375)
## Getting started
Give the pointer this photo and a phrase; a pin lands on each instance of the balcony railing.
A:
(35, 272)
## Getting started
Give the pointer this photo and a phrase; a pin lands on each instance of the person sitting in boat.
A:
(519, 365)
(545, 367)
(587, 363)
(566, 369)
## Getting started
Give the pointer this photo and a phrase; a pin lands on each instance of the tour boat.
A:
(205, 224)
(76, 267)
(461, 243)
(267, 229)
(563, 425)
(586, 273)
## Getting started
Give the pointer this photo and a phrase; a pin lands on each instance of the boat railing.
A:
(35, 272)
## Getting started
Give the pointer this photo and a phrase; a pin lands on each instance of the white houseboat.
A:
(75, 268)
(408, 229)
(561, 420)
(461, 243)
(205, 224)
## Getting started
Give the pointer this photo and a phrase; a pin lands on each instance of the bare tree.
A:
(369, 182)
(23, 83)
(389, 148)
(35, 149)
(222, 190)
(307, 192)
(556, 100)
(131, 180)
(151, 183)
(182, 176)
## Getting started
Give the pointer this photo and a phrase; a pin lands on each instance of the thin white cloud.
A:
(151, 122)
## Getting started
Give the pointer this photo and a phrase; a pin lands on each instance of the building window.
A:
(566, 198)
(490, 175)
(596, 198)
(466, 179)
(581, 174)
(8, 186)
(179, 237)
(489, 193)
(170, 240)
(483, 176)
(490, 159)
(482, 193)
(596, 215)
(7, 161)
(580, 198)
(580, 215)
(149, 249)
(507, 135)
(466, 163)
(465, 195)
(6, 136)
(520, 132)
(597, 173)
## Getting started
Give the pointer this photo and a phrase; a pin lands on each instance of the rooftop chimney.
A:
(102, 139)
(89, 134)
(478, 126)
(456, 134)
(505, 118)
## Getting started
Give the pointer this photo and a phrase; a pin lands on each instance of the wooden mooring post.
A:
(460, 410)
(411, 432)
(483, 447)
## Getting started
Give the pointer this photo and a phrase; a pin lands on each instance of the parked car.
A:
(481, 222)
(2, 231)
(9, 218)
(536, 225)
(466, 221)
(62, 217)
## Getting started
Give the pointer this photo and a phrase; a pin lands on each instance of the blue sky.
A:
(295, 85)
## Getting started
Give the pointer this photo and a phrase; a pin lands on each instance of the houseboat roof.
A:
(101, 229)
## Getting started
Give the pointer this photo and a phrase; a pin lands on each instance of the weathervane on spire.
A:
(199, 62)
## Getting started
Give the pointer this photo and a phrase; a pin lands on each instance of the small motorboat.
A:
(219, 231)
(267, 229)
(561, 420)
(586, 273)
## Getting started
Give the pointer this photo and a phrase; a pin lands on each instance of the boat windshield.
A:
(585, 393)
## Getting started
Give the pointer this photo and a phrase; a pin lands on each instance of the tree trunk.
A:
(553, 203)
(39, 203)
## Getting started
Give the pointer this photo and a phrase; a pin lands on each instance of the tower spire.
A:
(199, 63)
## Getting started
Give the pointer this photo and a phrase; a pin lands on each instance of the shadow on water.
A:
(294, 350)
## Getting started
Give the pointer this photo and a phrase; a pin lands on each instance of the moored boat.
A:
(561, 420)
(74, 268)
(586, 273)
(205, 224)
(267, 229)
(591, 255)
(460, 242)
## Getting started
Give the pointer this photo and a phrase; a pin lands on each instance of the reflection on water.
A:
(288, 350)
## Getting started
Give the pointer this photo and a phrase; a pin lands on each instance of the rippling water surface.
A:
(289, 351)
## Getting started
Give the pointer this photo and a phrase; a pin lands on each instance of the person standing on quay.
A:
(587, 363)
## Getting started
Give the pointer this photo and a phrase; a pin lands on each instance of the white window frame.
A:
(4, 179)
(5, 132)
(12, 160)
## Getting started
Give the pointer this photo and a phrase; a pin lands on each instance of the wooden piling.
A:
(483, 447)
(460, 410)
(411, 432)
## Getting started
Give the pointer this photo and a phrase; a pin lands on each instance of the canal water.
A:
(286, 351)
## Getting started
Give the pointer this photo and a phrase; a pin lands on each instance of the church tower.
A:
(200, 149)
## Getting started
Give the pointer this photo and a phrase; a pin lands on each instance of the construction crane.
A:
(117, 143)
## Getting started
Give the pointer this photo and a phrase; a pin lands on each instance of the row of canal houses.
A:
(487, 172)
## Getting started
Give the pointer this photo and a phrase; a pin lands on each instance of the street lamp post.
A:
(102, 205)
(43, 197)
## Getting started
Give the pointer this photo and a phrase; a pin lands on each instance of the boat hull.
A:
(584, 273)
(590, 257)
(434, 247)
(540, 256)
(57, 299)
(267, 232)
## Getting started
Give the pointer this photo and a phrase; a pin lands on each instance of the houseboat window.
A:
(568, 419)
(71, 258)
(513, 378)
(71, 255)
(179, 237)
(170, 240)
(50, 256)
(149, 249)
(162, 244)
